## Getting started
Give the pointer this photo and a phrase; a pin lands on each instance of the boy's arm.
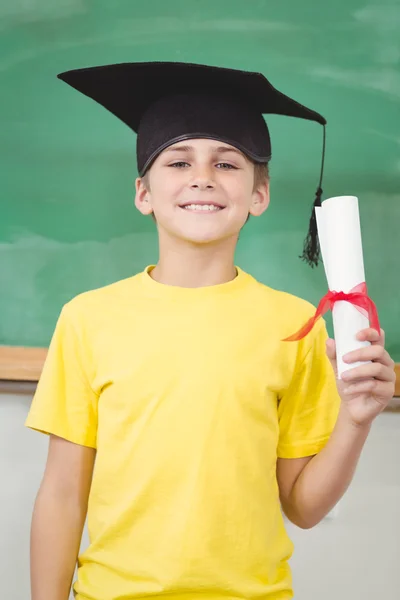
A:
(58, 518)
(310, 487)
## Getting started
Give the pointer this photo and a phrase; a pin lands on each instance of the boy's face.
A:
(201, 172)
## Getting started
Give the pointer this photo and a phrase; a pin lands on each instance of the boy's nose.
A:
(202, 179)
(202, 185)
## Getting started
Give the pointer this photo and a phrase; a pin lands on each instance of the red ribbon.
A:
(358, 296)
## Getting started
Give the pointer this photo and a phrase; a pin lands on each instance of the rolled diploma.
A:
(339, 232)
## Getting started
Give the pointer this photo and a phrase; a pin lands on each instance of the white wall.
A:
(355, 555)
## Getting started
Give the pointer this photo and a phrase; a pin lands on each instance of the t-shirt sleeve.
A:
(308, 409)
(65, 403)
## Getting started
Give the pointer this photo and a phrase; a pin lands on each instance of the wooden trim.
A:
(21, 364)
(25, 364)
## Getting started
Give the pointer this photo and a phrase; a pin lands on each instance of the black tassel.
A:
(311, 250)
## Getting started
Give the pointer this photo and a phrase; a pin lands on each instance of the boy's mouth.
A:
(202, 207)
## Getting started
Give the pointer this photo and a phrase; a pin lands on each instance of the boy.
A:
(177, 415)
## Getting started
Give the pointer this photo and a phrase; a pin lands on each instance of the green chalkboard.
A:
(68, 222)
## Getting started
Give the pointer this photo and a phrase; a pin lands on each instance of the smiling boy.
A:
(178, 418)
(201, 194)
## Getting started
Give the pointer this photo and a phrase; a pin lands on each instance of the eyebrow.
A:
(218, 150)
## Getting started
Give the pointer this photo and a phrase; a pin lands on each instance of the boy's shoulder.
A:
(294, 307)
(104, 296)
(282, 314)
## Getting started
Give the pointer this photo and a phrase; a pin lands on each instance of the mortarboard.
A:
(167, 102)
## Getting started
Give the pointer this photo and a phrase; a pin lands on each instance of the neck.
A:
(191, 266)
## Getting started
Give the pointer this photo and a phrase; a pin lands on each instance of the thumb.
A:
(331, 353)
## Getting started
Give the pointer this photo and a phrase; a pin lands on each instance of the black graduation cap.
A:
(167, 102)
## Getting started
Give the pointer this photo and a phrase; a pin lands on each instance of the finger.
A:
(362, 387)
(369, 371)
(371, 335)
(382, 389)
(376, 353)
(331, 354)
(331, 349)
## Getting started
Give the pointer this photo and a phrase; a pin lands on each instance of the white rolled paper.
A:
(339, 232)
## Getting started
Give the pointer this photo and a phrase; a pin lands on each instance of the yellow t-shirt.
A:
(189, 396)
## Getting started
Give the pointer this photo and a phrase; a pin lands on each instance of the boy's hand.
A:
(366, 390)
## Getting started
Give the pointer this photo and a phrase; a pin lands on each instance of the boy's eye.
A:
(180, 163)
(225, 166)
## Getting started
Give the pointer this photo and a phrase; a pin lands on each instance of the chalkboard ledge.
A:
(21, 367)
(21, 364)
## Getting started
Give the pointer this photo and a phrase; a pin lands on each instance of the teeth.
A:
(201, 207)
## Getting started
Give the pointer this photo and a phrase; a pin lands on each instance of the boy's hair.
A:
(261, 176)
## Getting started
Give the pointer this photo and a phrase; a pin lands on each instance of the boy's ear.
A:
(143, 197)
(260, 199)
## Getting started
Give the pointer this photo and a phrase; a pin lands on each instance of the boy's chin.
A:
(206, 237)
(201, 234)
